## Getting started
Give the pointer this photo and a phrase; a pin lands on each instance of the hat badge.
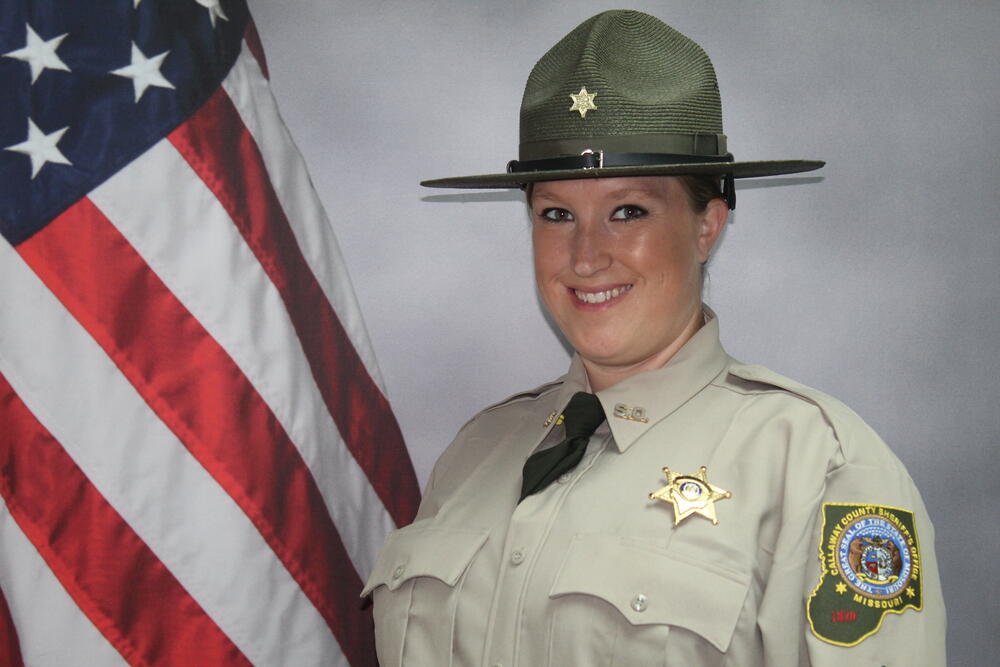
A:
(583, 102)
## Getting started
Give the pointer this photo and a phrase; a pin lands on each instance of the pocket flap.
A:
(649, 585)
(422, 550)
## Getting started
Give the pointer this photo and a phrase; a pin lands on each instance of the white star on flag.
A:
(144, 72)
(214, 10)
(41, 147)
(40, 54)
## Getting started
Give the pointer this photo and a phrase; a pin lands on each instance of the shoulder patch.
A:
(870, 566)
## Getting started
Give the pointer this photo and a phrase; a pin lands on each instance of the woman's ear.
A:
(710, 224)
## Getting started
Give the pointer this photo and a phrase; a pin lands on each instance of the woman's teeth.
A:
(601, 297)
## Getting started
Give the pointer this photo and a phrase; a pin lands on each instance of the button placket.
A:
(527, 531)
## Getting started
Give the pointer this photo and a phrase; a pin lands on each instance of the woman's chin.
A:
(603, 352)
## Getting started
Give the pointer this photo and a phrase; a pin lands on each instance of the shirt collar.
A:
(654, 395)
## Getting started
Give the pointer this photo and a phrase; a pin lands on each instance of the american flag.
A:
(197, 463)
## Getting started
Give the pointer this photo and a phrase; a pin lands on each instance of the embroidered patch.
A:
(870, 567)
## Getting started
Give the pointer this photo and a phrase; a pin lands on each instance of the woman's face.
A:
(618, 264)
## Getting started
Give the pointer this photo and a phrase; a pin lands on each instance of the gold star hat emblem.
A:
(690, 494)
(583, 102)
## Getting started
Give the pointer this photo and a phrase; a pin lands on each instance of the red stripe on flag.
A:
(201, 394)
(252, 39)
(104, 566)
(10, 648)
(221, 150)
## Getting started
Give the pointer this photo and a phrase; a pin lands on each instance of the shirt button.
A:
(565, 477)
(398, 572)
(639, 603)
(517, 556)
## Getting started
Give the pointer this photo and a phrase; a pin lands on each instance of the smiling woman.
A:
(661, 503)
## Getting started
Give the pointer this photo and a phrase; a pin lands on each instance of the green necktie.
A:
(581, 418)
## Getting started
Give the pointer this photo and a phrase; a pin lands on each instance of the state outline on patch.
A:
(903, 594)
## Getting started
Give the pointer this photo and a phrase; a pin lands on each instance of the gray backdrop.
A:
(876, 280)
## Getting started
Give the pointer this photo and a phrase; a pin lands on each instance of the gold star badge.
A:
(841, 588)
(583, 102)
(690, 494)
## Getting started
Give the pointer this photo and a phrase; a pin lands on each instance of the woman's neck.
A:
(601, 376)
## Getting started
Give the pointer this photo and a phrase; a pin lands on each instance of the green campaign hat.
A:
(623, 94)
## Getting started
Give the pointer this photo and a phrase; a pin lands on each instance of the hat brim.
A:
(737, 169)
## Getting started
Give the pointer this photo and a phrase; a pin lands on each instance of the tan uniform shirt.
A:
(591, 571)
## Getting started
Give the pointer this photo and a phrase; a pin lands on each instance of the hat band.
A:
(713, 145)
(596, 160)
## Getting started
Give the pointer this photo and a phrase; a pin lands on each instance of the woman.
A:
(661, 503)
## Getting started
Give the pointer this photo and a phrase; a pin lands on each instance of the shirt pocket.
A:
(626, 601)
(414, 586)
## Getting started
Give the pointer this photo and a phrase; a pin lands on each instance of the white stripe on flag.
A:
(140, 467)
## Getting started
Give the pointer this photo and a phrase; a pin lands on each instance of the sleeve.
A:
(853, 577)
(853, 571)
(873, 595)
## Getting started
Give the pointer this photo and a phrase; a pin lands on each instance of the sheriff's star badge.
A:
(583, 102)
(690, 494)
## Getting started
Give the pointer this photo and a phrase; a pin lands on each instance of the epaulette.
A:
(840, 417)
(836, 412)
(531, 394)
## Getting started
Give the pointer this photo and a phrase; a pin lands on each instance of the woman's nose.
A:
(591, 249)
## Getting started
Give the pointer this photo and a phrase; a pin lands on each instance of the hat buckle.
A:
(600, 158)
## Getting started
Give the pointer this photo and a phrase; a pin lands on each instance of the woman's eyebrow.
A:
(625, 193)
(621, 193)
(546, 197)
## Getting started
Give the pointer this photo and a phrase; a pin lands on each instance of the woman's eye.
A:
(628, 212)
(556, 215)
